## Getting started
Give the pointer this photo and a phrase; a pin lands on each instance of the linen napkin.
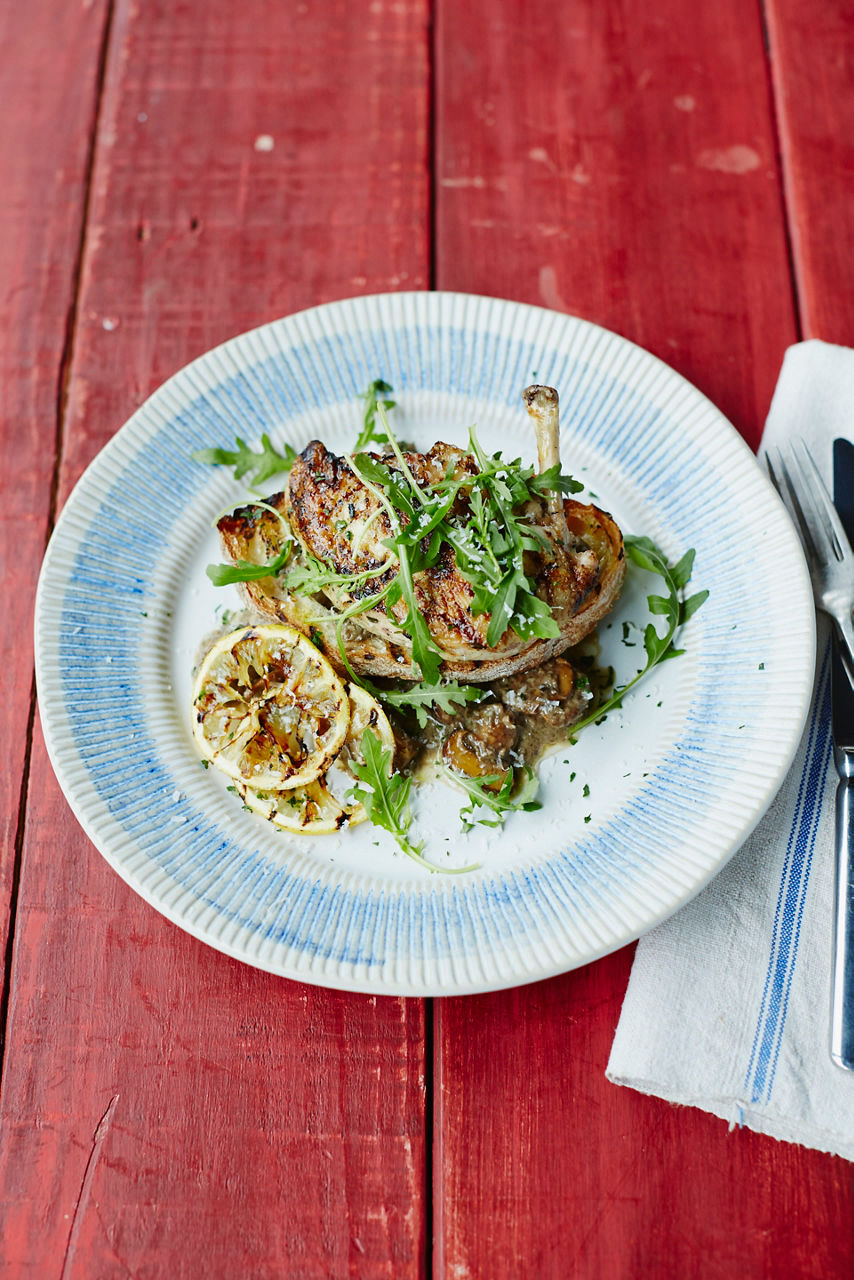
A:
(728, 1005)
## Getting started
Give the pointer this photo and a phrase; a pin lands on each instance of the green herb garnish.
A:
(368, 434)
(420, 697)
(258, 466)
(223, 575)
(511, 797)
(426, 654)
(386, 799)
(659, 647)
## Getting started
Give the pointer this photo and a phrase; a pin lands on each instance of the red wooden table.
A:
(176, 171)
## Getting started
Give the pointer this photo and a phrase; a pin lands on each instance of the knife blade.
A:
(842, 724)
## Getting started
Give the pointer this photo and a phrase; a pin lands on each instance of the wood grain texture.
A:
(169, 1112)
(542, 1168)
(253, 160)
(813, 64)
(44, 154)
(619, 164)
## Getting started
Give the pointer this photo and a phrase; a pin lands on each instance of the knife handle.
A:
(842, 1025)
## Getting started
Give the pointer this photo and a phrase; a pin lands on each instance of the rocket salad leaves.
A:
(672, 607)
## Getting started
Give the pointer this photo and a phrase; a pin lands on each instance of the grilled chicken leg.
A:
(542, 404)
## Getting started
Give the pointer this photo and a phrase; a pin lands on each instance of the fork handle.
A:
(842, 1025)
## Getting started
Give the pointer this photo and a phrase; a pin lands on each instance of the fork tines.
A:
(805, 494)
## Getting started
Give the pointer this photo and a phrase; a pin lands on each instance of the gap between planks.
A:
(432, 1256)
(782, 172)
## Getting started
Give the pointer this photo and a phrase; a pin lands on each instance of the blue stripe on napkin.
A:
(759, 1080)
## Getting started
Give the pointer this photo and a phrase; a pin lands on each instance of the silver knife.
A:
(842, 715)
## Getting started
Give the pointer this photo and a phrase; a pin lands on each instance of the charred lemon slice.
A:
(321, 806)
(268, 709)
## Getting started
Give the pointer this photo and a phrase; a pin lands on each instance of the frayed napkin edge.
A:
(739, 1113)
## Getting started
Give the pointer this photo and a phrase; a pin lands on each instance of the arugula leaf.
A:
(420, 697)
(427, 518)
(689, 607)
(681, 572)
(222, 575)
(501, 607)
(258, 466)
(386, 799)
(368, 435)
(425, 652)
(552, 480)
(658, 647)
(312, 575)
(513, 796)
(534, 618)
(388, 482)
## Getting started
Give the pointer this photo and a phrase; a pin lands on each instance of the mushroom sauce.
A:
(518, 720)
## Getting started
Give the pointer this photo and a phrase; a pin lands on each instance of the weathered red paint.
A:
(629, 176)
(48, 88)
(168, 1112)
(812, 55)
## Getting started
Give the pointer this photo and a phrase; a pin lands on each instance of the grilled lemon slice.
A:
(268, 709)
(321, 806)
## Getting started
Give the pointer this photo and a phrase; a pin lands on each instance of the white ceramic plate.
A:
(636, 818)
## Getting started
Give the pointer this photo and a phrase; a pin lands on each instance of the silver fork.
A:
(829, 555)
(831, 563)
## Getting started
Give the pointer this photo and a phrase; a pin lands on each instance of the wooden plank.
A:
(170, 1112)
(49, 90)
(620, 164)
(543, 1168)
(813, 65)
